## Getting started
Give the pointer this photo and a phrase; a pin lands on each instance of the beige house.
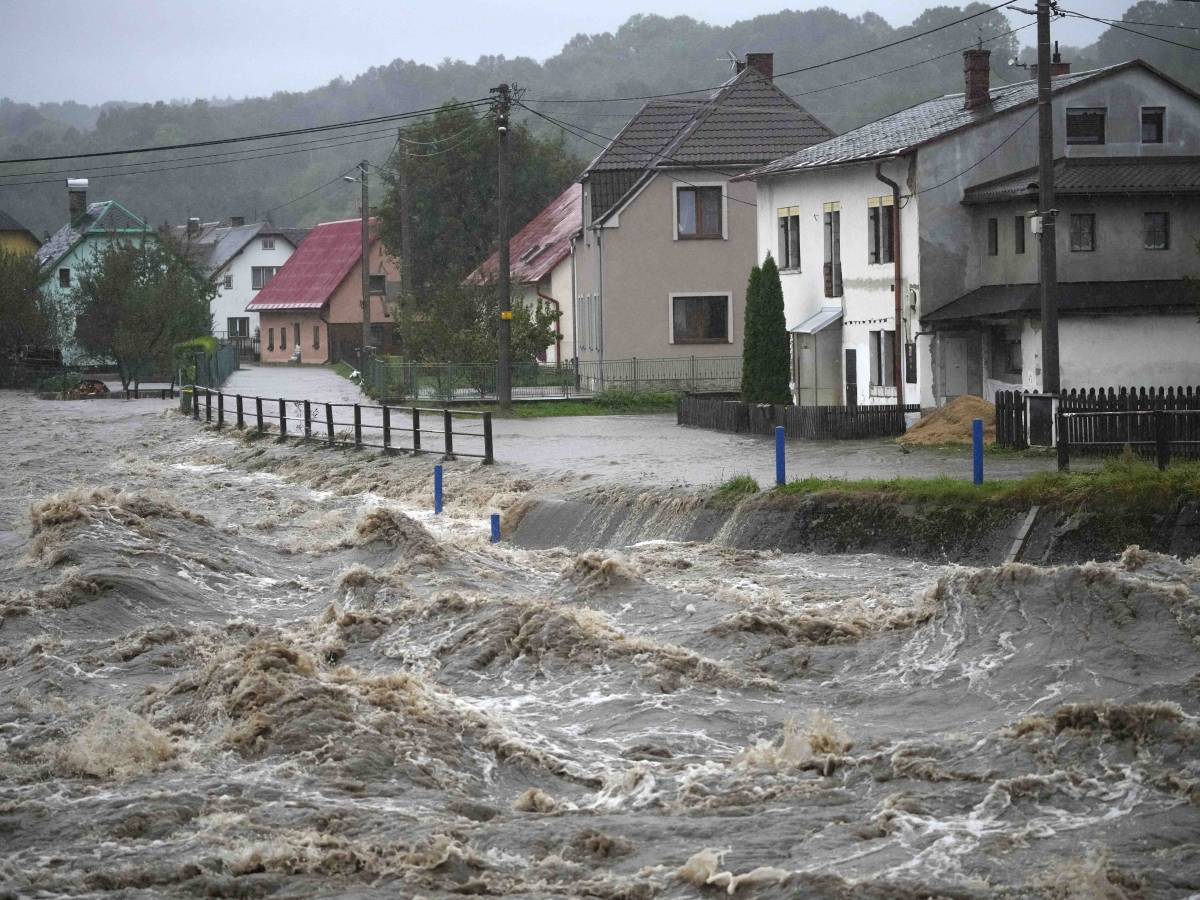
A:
(668, 241)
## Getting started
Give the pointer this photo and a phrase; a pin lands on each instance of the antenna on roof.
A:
(731, 58)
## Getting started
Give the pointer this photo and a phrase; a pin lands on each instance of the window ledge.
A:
(700, 237)
(878, 390)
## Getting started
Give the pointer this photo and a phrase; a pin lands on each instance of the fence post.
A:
(977, 450)
(357, 426)
(635, 380)
(387, 430)
(220, 410)
(282, 420)
(307, 420)
(692, 378)
(241, 418)
(495, 528)
(448, 426)
(416, 420)
(1162, 439)
(488, 457)
(1063, 442)
(437, 490)
(208, 406)
(329, 423)
(195, 401)
(780, 472)
(258, 413)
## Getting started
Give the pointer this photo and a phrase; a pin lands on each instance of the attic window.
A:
(268, 243)
(64, 277)
(1085, 125)
(532, 252)
(378, 284)
(698, 212)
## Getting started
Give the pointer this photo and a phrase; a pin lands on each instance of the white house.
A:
(908, 261)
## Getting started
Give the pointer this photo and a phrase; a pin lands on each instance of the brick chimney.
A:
(977, 74)
(77, 189)
(762, 63)
(1057, 66)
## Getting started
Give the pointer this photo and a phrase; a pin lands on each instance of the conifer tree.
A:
(751, 368)
(771, 339)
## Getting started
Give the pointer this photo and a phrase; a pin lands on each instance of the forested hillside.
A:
(647, 55)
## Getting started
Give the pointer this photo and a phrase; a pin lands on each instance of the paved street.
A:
(648, 449)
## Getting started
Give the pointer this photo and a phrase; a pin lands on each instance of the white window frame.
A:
(268, 243)
(675, 188)
(728, 295)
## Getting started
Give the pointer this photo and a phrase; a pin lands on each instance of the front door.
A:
(851, 377)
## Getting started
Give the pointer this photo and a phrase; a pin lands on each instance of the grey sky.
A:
(165, 49)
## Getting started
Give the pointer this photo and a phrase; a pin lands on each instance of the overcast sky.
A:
(167, 49)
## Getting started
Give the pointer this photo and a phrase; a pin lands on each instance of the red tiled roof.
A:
(310, 276)
(542, 244)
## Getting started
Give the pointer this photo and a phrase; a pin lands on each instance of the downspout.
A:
(898, 334)
(557, 326)
(574, 311)
(600, 300)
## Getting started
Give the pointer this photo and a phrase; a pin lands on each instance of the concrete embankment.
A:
(975, 533)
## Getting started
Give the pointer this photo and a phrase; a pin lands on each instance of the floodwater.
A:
(241, 669)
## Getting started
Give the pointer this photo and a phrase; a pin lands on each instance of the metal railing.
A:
(315, 421)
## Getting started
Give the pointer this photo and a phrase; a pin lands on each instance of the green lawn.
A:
(606, 403)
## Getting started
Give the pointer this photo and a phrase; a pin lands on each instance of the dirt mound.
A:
(952, 424)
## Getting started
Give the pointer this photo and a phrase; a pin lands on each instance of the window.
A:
(1152, 124)
(378, 284)
(1085, 125)
(1156, 231)
(296, 333)
(833, 249)
(700, 320)
(1018, 235)
(789, 237)
(316, 337)
(1083, 232)
(64, 277)
(376, 336)
(268, 243)
(237, 327)
(229, 282)
(260, 275)
(993, 237)
(883, 358)
(698, 211)
(270, 338)
(879, 229)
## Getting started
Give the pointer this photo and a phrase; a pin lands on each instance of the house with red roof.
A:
(314, 302)
(542, 265)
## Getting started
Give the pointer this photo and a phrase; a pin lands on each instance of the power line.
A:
(1113, 24)
(315, 129)
(820, 65)
(977, 162)
(319, 187)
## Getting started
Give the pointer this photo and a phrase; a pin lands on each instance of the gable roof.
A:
(320, 264)
(542, 244)
(745, 122)
(8, 223)
(905, 131)
(1098, 175)
(215, 245)
(102, 218)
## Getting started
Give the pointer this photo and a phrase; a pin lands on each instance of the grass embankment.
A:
(605, 403)
(343, 369)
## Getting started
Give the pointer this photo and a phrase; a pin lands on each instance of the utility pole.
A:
(501, 107)
(366, 270)
(1046, 211)
(406, 223)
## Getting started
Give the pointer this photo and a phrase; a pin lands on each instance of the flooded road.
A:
(233, 668)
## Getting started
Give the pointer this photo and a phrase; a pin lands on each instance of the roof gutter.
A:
(898, 334)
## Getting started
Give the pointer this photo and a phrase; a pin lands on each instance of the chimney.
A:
(237, 221)
(1057, 66)
(77, 197)
(193, 227)
(762, 63)
(977, 76)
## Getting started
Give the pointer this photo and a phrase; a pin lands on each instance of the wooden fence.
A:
(308, 420)
(805, 422)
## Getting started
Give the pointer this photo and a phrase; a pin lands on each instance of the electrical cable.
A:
(319, 187)
(1114, 24)
(977, 162)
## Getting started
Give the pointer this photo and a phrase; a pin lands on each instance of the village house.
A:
(542, 267)
(668, 238)
(90, 227)
(311, 310)
(240, 260)
(909, 261)
(15, 237)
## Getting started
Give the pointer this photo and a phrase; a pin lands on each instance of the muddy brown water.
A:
(245, 669)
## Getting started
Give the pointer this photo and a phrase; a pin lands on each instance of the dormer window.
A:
(531, 252)
(1085, 125)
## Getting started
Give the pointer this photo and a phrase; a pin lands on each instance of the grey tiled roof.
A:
(104, 217)
(1092, 176)
(1073, 297)
(8, 223)
(908, 129)
(214, 245)
(745, 122)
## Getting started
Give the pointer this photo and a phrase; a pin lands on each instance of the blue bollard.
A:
(495, 528)
(437, 489)
(977, 449)
(780, 476)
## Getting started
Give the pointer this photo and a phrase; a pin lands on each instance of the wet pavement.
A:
(652, 449)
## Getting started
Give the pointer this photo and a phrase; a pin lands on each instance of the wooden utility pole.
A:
(406, 223)
(501, 107)
(366, 257)
(1046, 211)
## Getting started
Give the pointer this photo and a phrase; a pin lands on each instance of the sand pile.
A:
(952, 424)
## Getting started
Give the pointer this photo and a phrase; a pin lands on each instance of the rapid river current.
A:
(240, 669)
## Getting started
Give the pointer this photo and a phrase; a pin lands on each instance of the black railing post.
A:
(1162, 439)
(241, 418)
(208, 406)
(488, 456)
(448, 426)
(416, 419)
(329, 422)
(387, 430)
(307, 420)
(195, 402)
(1063, 443)
(220, 410)
(357, 426)
(282, 419)
(258, 413)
